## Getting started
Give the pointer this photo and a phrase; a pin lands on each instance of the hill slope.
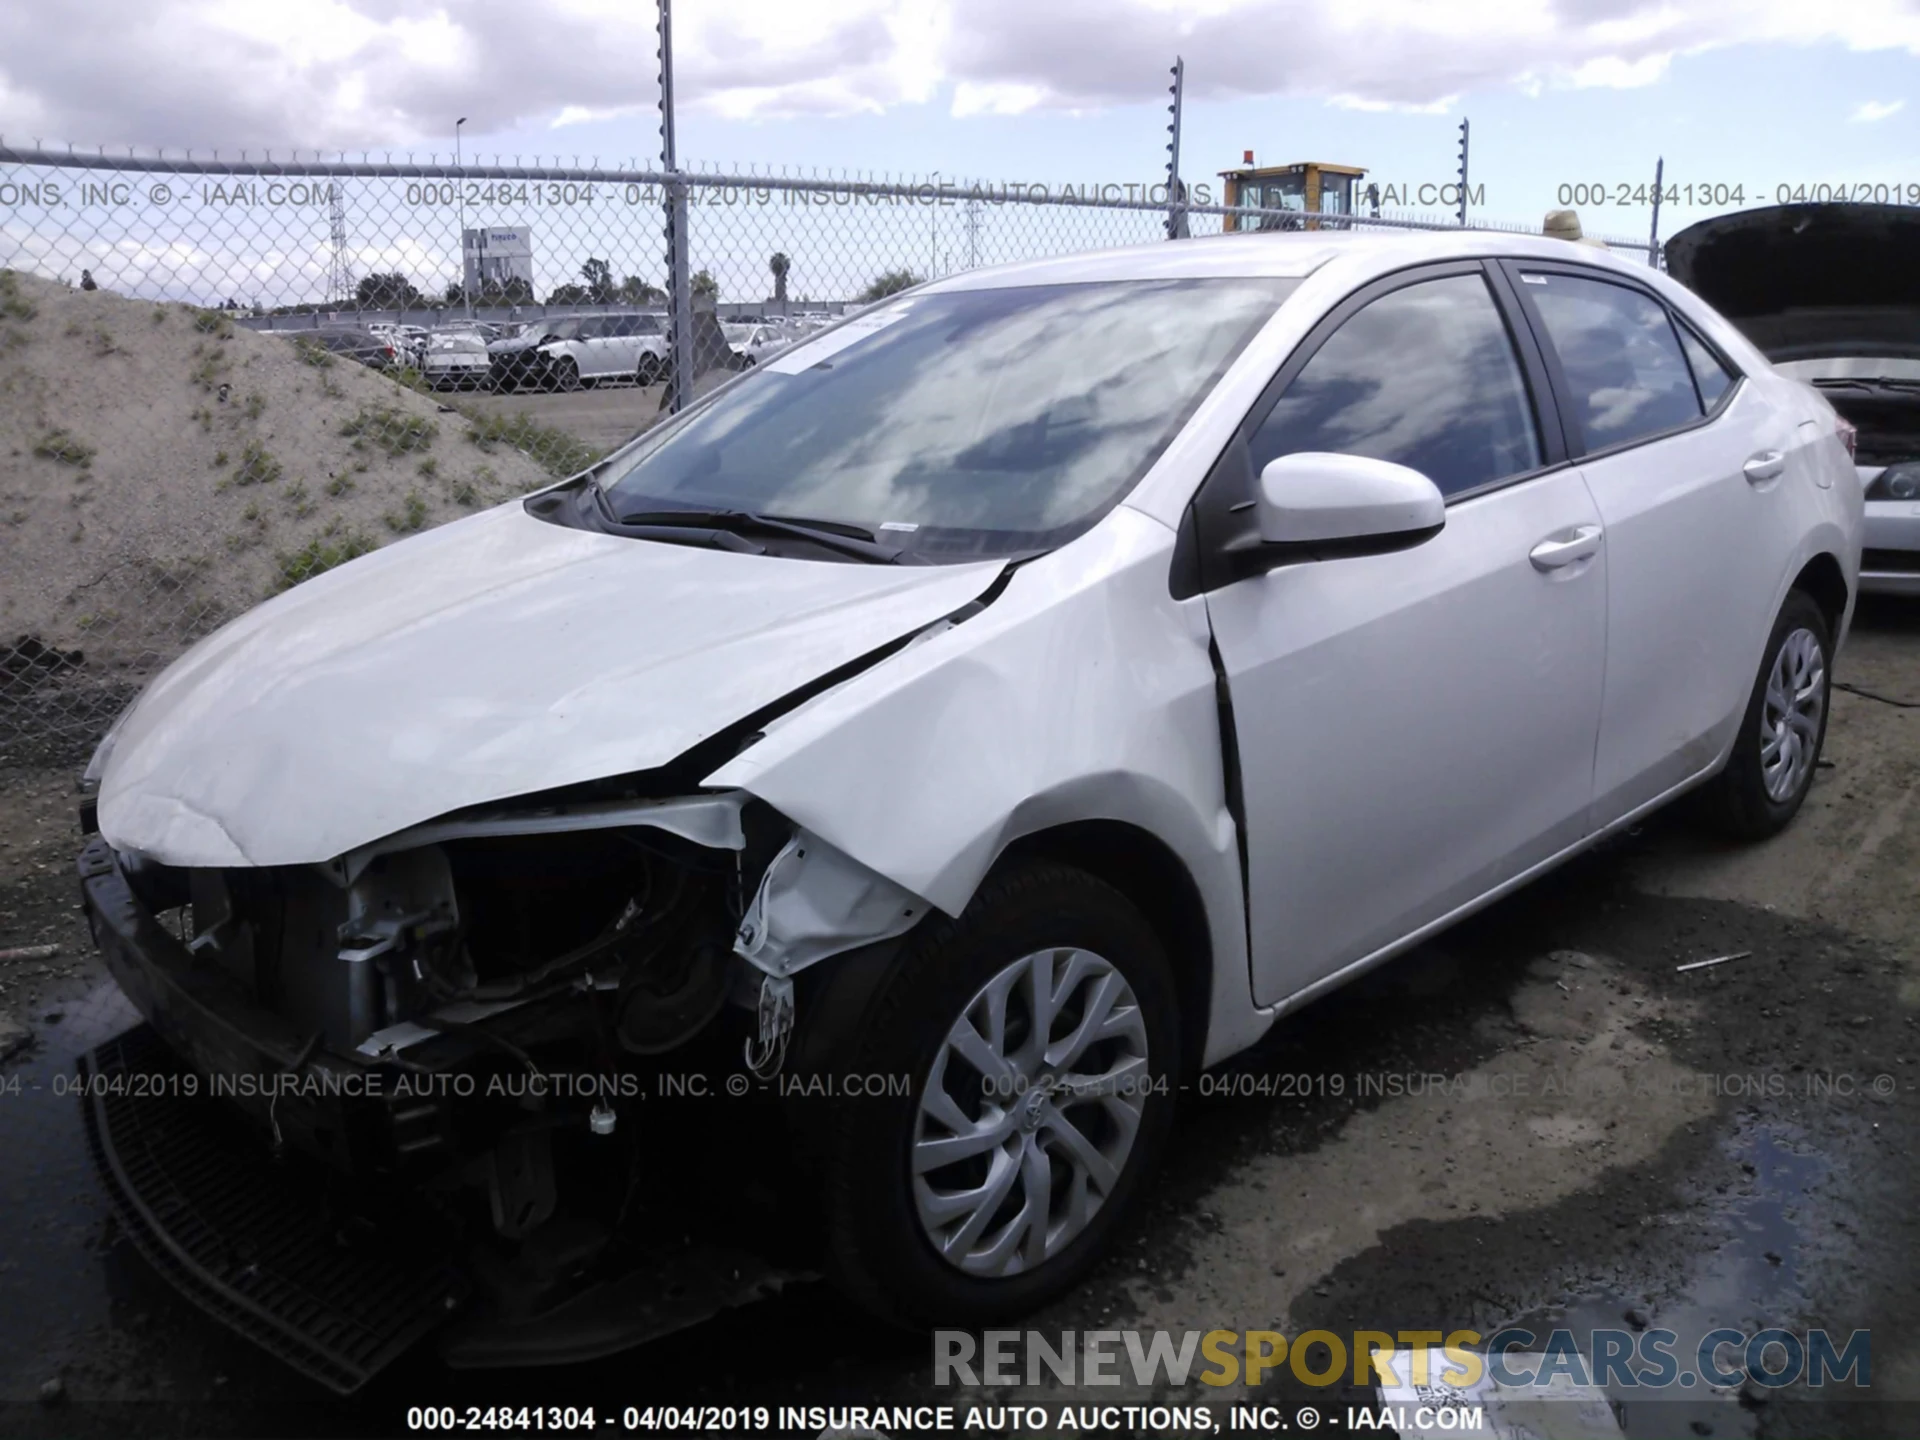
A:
(162, 469)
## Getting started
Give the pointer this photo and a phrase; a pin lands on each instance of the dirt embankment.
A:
(162, 469)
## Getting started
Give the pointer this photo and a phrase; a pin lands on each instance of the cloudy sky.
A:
(1757, 94)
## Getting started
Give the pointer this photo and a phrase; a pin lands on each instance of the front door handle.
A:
(1765, 466)
(1566, 547)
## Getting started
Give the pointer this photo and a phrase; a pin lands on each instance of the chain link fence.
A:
(220, 376)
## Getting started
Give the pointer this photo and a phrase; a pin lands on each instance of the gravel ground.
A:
(1616, 1138)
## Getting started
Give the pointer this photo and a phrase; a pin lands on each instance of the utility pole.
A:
(1176, 192)
(1463, 172)
(1653, 235)
(680, 358)
(340, 280)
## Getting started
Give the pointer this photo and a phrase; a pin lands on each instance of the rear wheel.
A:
(648, 372)
(1039, 1039)
(1778, 750)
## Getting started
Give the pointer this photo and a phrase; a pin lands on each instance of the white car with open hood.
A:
(945, 737)
(1831, 294)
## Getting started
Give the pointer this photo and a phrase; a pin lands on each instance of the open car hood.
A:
(497, 656)
(1809, 281)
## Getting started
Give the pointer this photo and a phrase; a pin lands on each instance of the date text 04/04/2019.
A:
(1720, 195)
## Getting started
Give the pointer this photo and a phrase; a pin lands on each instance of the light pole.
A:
(933, 230)
(459, 165)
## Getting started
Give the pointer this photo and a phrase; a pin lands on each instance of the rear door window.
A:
(1626, 377)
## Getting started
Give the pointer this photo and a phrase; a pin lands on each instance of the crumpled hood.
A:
(497, 656)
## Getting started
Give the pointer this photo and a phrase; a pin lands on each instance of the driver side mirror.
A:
(1332, 505)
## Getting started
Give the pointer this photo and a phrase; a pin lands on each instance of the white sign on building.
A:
(494, 256)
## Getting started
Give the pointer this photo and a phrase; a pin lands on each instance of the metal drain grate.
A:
(244, 1237)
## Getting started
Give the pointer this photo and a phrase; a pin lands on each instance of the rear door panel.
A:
(1698, 549)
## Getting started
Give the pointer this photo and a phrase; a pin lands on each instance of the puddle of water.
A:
(52, 1281)
(1750, 1283)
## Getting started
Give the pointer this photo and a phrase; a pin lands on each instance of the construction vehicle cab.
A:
(1310, 187)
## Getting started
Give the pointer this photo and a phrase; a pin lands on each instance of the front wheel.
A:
(566, 374)
(1773, 761)
(1036, 1043)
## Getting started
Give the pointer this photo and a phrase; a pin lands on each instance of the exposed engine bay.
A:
(476, 1014)
(1884, 410)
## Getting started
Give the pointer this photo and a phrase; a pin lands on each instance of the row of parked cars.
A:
(551, 353)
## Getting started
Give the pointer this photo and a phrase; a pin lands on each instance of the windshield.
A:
(977, 422)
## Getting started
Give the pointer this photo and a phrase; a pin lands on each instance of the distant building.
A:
(494, 256)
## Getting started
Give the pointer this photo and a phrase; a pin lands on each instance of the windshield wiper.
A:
(832, 535)
(1867, 382)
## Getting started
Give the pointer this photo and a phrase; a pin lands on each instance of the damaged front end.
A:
(474, 1034)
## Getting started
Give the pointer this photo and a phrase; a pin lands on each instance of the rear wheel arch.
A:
(1825, 582)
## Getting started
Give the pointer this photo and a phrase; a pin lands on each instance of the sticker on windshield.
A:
(805, 357)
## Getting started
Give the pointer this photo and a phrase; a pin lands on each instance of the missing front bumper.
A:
(253, 1242)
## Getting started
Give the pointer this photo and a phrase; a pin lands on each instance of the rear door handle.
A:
(1764, 466)
(1566, 547)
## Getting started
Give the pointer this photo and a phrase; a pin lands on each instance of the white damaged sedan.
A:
(1010, 699)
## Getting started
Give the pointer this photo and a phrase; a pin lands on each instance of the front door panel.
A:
(1414, 728)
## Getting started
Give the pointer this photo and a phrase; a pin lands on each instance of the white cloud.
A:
(1877, 110)
(392, 73)
(973, 97)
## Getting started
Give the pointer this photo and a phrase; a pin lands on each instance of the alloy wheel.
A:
(1791, 714)
(1029, 1112)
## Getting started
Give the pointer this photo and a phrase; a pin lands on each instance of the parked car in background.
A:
(1242, 611)
(456, 357)
(377, 352)
(1831, 295)
(568, 352)
(408, 341)
(755, 342)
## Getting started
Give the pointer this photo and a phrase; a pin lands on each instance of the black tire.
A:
(1737, 802)
(878, 1250)
(566, 374)
(648, 371)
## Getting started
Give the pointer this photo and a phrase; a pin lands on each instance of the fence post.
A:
(1176, 190)
(1653, 235)
(680, 360)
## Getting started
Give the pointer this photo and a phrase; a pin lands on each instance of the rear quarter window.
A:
(1710, 374)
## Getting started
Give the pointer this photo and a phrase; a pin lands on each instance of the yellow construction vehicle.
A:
(1310, 188)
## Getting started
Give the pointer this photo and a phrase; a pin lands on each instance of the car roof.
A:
(1288, 254)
